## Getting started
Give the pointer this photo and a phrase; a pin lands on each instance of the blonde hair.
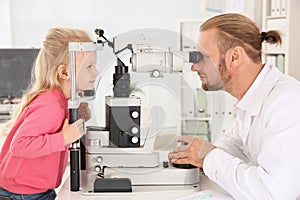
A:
(238, 30)
(44, 73)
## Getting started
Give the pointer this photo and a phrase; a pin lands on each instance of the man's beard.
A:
(204, 86)
(223, 77)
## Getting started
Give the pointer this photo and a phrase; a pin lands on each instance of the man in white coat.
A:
(259, 157)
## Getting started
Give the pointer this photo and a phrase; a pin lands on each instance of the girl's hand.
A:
(72, 132)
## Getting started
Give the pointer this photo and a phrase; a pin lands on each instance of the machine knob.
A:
(99, 159)
(155, 73)
(134, 130)
(134, 140)
(97, 168)
(135, 114)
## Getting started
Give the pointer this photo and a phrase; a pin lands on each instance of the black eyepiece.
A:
(195, 57)
(99, 32)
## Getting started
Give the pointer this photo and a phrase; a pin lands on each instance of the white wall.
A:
(30, 19)
(5, 36)
(24, 23)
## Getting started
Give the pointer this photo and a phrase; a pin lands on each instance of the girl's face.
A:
(86, 71)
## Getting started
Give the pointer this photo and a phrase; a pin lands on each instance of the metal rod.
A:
(74, 149)
(73, 75)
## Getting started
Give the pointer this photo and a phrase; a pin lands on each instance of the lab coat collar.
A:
(252, 101)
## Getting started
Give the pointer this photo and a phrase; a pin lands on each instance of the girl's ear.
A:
(63, 72)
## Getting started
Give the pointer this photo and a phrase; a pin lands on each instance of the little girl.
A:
(35, 154)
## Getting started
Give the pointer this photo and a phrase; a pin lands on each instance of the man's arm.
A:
(274, 174)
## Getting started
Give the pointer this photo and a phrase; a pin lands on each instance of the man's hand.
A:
(193, 152)
(84, 111)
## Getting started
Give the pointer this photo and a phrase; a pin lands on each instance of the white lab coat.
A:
(260, 157)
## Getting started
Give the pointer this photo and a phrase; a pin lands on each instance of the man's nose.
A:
(194, 67)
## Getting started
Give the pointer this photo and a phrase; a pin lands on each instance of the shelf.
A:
(197, 119)
(270, 53)
(266, 53)
(287, 23)
(276, 17)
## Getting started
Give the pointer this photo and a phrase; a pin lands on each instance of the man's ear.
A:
(237, 56)
(63, 72)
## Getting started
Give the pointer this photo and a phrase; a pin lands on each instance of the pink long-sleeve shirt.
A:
(34, 157)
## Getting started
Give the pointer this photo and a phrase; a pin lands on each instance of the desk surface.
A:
(165, 192)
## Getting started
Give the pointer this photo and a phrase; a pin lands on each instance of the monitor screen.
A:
(15, 71)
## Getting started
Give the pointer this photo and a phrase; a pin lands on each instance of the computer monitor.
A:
(15, 71)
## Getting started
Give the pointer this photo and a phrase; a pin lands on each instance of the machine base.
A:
(147, 179)
(112, 185)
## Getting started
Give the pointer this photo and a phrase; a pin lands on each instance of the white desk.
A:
(165, 193)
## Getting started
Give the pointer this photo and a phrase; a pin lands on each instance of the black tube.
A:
(73, 115)
(74, 156)
(74, 169)
(82, 153)
(121, 80)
